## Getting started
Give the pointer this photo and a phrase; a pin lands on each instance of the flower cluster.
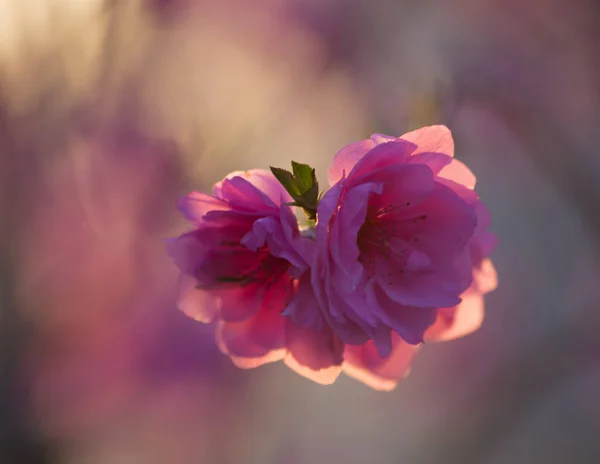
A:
(395, 253)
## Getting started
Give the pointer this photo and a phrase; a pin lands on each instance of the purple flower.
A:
(393, 237)
(396, 253)
(242, 264)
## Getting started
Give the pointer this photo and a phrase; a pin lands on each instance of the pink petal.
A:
(349, 315)
(321, 268)
(364, 364)
(263, 180)
(382, 340)
(325, 376)
(314, 355)
(253, 338)
(452, 323)
(417, 289)
(459, 173)
(381, 156)
(303, 308)
(418, 281)
(251, 363)
(444, 223)
(435, 161)
(404, 187)
(483, 242)
(327, 207)
(468, 195)
(187, 252)
(195, 205)
(333, 307)
(278, 234)
(431, 139)
(346, 158)
(194, 303)
(277, 294)
(221, 266)
(257, 339)
(343, 234)
(409, 321)
(237, 304)
(485, 278)
(243, 196)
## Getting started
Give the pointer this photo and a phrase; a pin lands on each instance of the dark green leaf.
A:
(305, 176)
(302, 185)
(288, 181)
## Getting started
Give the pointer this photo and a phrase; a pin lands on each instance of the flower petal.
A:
(195, 303)
(195, 205)
(278, 234)
(346, 158)
(417, 290)
(243, 196)
(303, 308)
(443, 224)
(253, 338)
(485, 278)
(315, 355)
(431, 139)
(435, 161)
(186, 251)
(459, 173)
(251, 363)
(343, 234)
(385, 154)
(404, 187)
(426, 286)
(364, 364)
(409, 321)
(349, 315)
(236, 304)
(263, 180)
(452, 323)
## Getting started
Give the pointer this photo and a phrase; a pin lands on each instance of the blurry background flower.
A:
(112, 109)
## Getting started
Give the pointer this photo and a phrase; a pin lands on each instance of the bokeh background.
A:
(110, 110)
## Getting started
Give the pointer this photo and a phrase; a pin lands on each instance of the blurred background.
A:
(110, 110)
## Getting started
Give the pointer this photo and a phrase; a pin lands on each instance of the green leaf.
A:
(302, 186)
(305, 176)
(287, 179)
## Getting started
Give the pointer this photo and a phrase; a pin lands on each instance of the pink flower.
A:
(243, 263)
(399, 256)
(467, 316)
(364, 363)
(395, 243)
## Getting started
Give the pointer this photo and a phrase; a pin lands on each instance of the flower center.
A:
(262, 268)
(389, 233)
(232, 263)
